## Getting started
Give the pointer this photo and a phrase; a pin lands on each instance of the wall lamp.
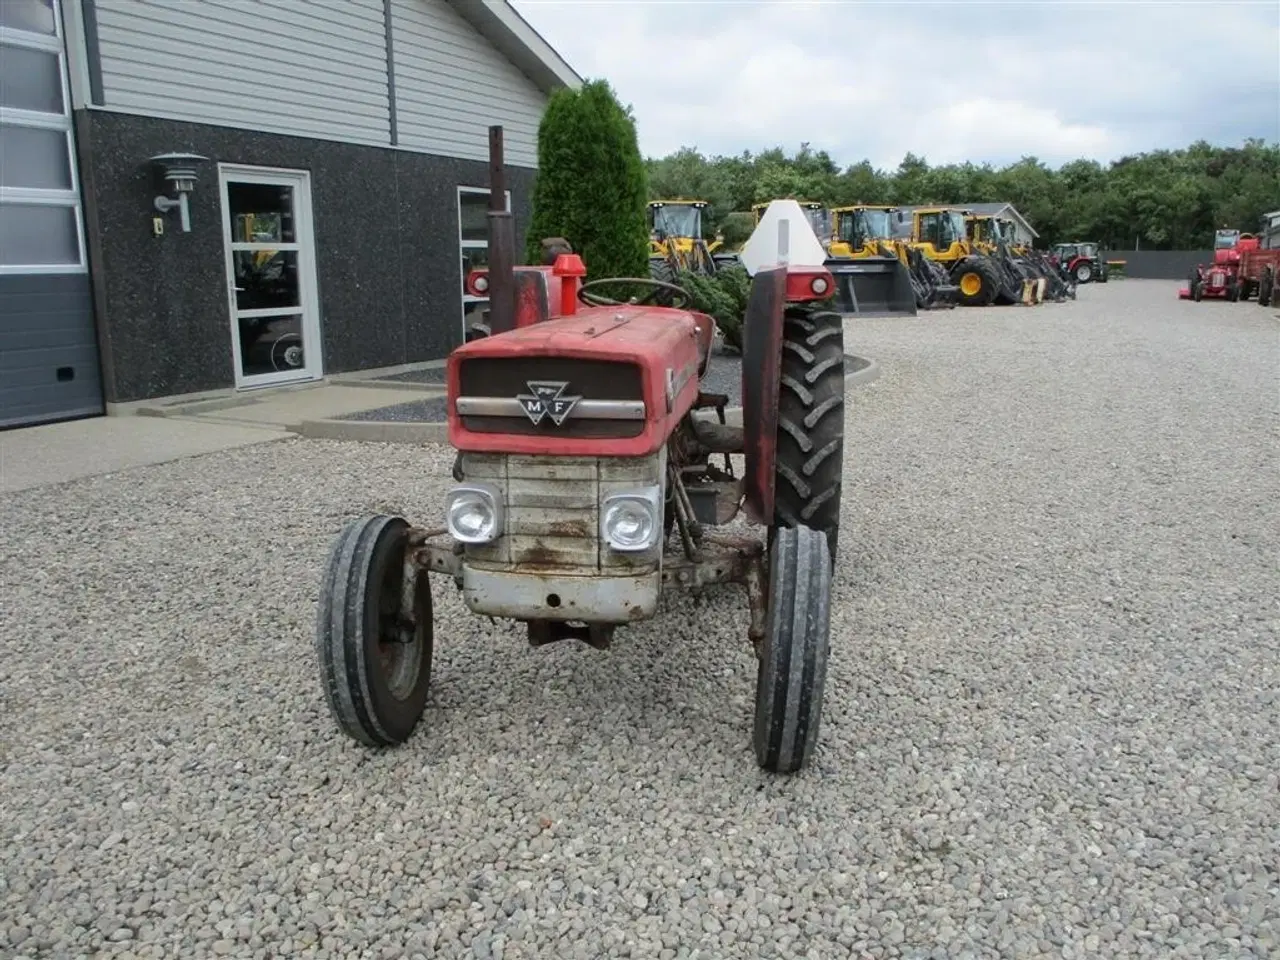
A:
(180, 170)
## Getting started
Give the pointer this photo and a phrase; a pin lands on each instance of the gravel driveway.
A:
(1052, 709)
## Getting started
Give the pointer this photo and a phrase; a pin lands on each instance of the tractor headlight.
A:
(473, 513)
(819, 285)
(631, 521)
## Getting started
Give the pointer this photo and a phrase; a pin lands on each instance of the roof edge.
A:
(503, 26)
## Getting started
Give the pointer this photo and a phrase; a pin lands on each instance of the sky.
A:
(949, 81)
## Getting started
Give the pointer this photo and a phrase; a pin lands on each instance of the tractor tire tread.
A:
(791, 676)
(358, 706)
(810, 439)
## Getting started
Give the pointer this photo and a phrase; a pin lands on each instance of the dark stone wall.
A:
(387, 258)
(1159, 264)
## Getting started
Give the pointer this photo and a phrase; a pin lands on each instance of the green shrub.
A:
(737, 229)
(723, 295)
(590, 187)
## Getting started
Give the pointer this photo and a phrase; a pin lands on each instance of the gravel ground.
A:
(1051, 722)
(723, 376)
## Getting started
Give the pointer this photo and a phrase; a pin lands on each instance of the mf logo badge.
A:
(546, 399)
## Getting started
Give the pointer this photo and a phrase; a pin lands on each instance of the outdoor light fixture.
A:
(180, 170)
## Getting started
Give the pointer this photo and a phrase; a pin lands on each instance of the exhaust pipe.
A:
(502, 242)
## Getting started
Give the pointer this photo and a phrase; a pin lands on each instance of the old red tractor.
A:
(1240, 268)
(586, 485)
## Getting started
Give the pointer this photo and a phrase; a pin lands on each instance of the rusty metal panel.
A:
(539, 522)
(552, 468)
(569, 554)
(484, 467)
(592, 599)
(633, 471)
(562, 495)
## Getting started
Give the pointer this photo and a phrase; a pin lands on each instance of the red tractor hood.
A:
(663, 343)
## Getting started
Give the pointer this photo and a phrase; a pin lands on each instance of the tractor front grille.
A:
(612, 392)
(552, 511)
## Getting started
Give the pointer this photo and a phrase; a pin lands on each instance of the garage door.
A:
(48, 348)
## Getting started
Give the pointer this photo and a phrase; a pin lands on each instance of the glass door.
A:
(275, 332)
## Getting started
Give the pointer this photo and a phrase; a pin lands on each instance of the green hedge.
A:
(591, 187)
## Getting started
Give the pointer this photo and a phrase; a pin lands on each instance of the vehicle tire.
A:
(980, 277)
(1267, 286)
(1104, 273)
(809, 462)
(1233, 292)
(374, 668)
(1246, 288)
(1083, 271)
(793, 660)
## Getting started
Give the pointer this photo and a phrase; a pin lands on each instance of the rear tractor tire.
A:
(375, 664)
(1083, 271)
(793, 660)
(809, 463)
(978, 281)
(1267, 286)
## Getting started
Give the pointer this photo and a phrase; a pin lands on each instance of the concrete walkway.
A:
(57, 452)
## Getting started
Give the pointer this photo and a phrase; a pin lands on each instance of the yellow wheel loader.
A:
(941, 234)
(675, 239)
(877, 274)
(818, 216)
(997, 237)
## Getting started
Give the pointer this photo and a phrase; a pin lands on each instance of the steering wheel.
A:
(680, 295)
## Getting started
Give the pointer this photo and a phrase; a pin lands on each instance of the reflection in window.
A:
(261, 213)
(266, 279)
(270, 344)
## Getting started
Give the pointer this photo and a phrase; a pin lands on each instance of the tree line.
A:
(1159, 200)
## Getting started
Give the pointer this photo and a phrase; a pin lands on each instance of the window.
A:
(39, 195)
(473, 240)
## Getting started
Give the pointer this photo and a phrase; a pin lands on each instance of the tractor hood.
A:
(606, 381)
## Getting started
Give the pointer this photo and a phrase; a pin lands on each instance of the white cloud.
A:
(947, 81)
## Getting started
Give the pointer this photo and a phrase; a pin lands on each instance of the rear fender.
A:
(761, 371)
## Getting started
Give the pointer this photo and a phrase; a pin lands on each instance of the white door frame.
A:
(308, 288)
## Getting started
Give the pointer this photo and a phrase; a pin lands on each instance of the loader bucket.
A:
(873, 286)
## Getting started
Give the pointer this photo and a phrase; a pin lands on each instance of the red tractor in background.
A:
(1080, 262)
(586, 484)
(1240, 268)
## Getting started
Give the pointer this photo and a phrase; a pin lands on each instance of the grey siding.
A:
(316, 68)
(48, 349)
(451, 84)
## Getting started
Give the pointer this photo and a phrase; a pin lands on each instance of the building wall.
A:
(1159, 264)
(387, 251)
(319, 69)
(450, 84)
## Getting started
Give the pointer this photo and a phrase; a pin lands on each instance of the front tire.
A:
(809, 460)
(978, 282)
(793, 661)
(375, 666)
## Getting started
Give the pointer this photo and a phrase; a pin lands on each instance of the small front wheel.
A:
(375, 661)
(793, 661)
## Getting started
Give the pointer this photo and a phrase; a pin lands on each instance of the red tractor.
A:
(1237, 269)
(586, 486)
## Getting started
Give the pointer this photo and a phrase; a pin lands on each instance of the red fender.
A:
(761, 372)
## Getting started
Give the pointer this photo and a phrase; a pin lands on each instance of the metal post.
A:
(502, 243)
